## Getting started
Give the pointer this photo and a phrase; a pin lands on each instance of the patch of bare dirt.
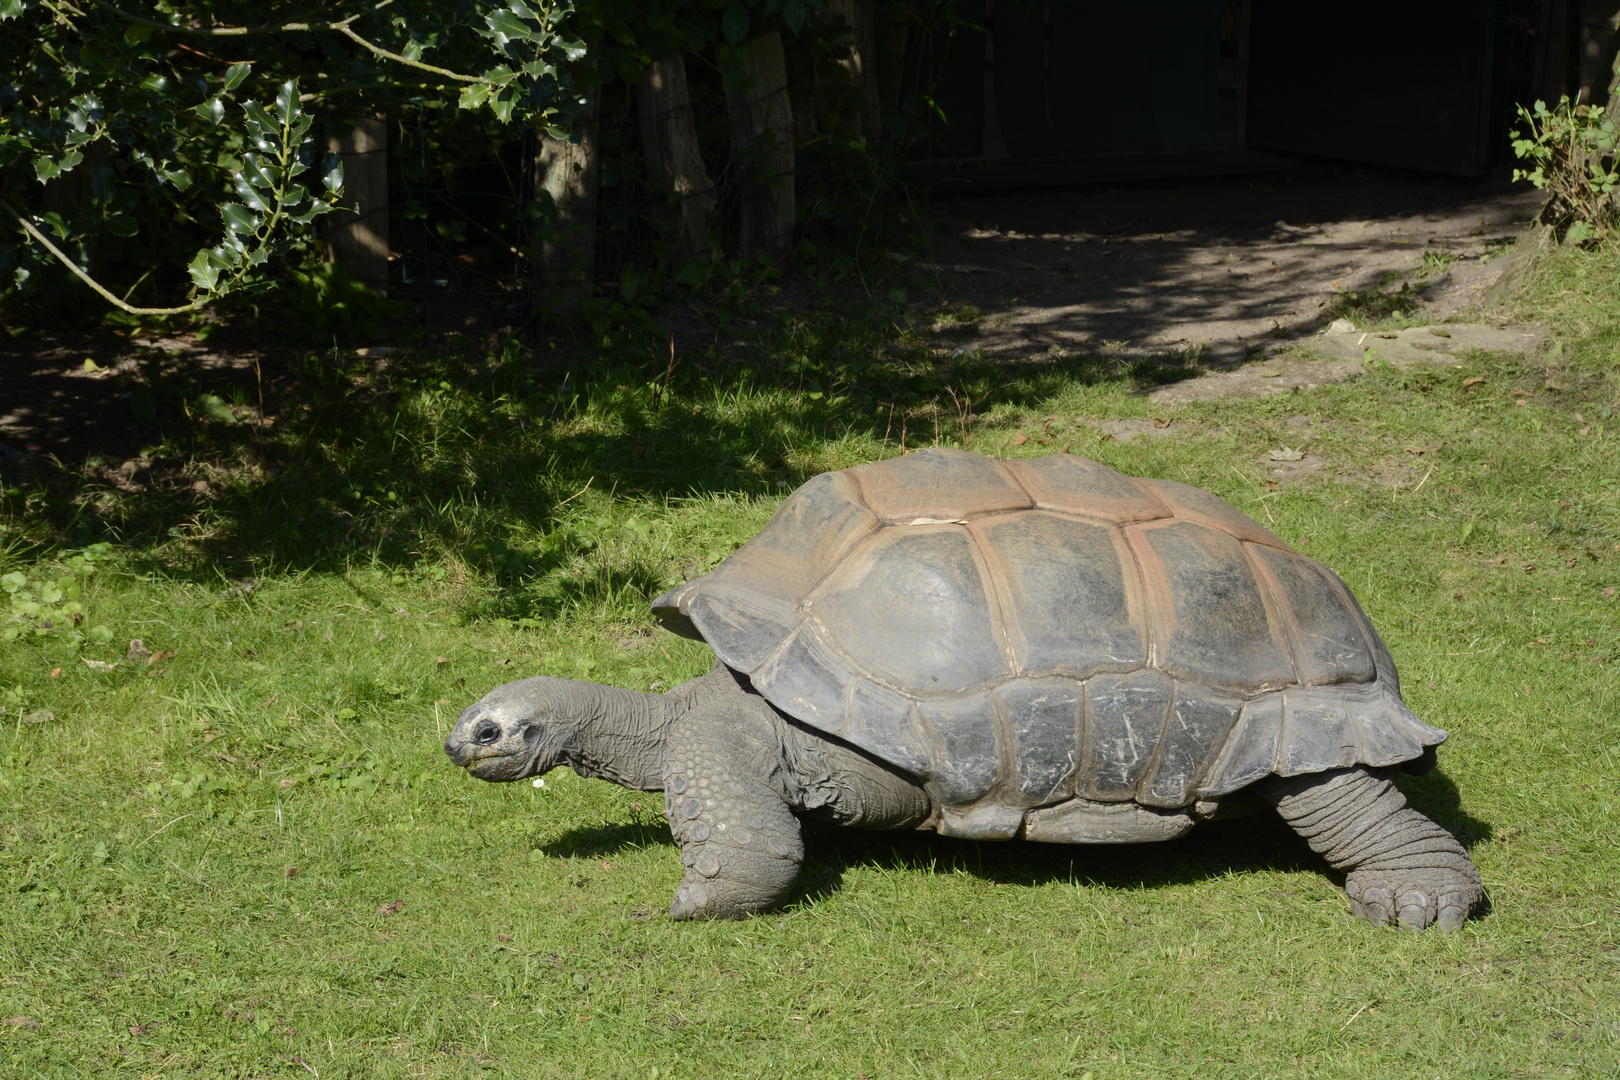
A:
(1216, 270)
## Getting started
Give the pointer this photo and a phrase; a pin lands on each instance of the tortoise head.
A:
(517, 730)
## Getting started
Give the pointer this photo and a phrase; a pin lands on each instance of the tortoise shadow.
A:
(1258, 842)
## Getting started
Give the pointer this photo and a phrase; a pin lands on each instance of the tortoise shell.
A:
(1020, 635)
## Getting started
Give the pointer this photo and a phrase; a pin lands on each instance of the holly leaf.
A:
(203, 272)
(332, 174)
(235, 75)
(212, 110)
(506, 27)
(238, 218)
(287, 109)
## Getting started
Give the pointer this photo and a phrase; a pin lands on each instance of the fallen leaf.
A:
(1529, 567)
(1272, 485)
(271, 700)
(1553, 384)
(56, 673)
(1431, 448)
(1570, 562)
(160, 656)
(442, 701)
(1439, 331)
(503, 937)
(98, 665)
(1608, 594)
(1020, 439)
(40, 716)
(1521, 402)
(1162, 422)
(1387, 336)
(1286, 454)
(27, 1022)
(137, 650)
(296, 624)
(1473, 380)
(287, 783)
(290, 872)
(441, 661)
(140, 1029)
(391, 909)
(1585, 431)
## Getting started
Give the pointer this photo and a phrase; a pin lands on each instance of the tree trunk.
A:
(566, 171)
(762, 144)
(674, 161)
(1612, 101)
(891, 29)
(359, 239)
(1599, 34)
(865, 70)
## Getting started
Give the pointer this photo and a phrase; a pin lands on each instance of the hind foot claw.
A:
(1442, 898)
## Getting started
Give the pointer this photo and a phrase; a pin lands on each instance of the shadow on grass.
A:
(426, 456)
(1261, 841)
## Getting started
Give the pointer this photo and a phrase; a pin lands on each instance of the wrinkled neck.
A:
(620, 737)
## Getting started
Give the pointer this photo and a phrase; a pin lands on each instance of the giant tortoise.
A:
(1044, 650)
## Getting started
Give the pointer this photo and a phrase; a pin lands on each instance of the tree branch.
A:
(87, 279)
(341, 26)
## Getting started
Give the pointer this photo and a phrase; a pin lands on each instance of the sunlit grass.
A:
(412, 538)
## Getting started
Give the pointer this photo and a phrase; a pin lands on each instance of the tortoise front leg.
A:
(1401, 865)
(728, 811)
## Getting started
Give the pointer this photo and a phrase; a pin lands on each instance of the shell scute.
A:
(1195, 504)
(967, 732)
(1071, 593)
(912, 607)
(1250, 753)
(942, 484)
(886, 723)
(1125, 717)
(1218, 630)
(806, 676)
(1078, 485)
(1198, 725)
(1328, 644)
(1043, 717)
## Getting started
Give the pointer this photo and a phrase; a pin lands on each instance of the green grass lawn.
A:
(251, 858)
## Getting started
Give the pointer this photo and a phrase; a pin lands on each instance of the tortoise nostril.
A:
(486, 733)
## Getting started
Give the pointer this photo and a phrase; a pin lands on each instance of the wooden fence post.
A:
(567, 172)
(891, 30)
(674, 161)
(359, 239)
(762, 144)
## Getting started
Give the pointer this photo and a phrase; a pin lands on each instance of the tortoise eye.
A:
(486, 733)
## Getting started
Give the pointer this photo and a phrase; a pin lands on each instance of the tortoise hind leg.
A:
(728, 812)
(1401, 865)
